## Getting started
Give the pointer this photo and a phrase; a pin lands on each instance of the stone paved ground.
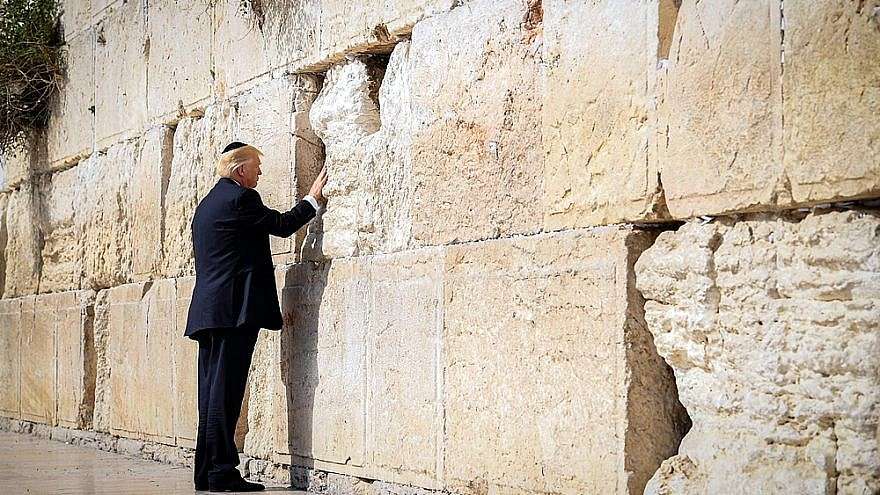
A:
(30, 465)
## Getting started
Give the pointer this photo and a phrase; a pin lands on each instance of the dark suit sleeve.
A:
(254, 215)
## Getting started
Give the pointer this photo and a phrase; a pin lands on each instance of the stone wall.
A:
(562, 238)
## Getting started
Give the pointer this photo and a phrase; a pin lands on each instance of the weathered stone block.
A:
(831, 88)
(551, 407)
(38, 360)
(238, 53)
(73, 317)
(197, 146)
(121, 72)
(477, 135)
(10, 365)
(321, 408)
(354, 26)
(23, 239)
(368, 155)
(61, 263)
(179, 65)
(771, 326)
(722, 109)
(186, 405)
(71, 128)
(145, 200)
(141, 325)
(119, 219)
(404, 406)
(598, 113)
(291, 35)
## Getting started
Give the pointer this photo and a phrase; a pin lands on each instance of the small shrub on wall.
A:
(31, 67)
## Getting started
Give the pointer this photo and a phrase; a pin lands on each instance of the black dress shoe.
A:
(240, 485)
(201, 487)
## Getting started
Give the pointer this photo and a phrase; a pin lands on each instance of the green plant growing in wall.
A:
(31, 67)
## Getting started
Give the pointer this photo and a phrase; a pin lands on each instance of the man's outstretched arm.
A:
(255, 215)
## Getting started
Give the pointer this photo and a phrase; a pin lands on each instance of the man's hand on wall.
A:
(318, 186)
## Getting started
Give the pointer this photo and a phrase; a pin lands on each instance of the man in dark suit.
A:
(234, 296)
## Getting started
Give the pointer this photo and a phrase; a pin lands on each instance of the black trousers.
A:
(224, 360)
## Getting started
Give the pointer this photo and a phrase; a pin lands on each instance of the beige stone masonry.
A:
(145, 364)
(71, 128)
(121, 51)
(545, 367)
(23, 239)
(477, 166)
(599, 118)
(771, 326)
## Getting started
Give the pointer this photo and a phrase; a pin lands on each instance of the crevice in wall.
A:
(667, 18)
(656, 419)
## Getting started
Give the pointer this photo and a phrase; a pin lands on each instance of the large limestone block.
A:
(368, 154)
(121, 72)
(291, 35)
(71, 127)
(119, 215)
(722, 109)
(371, 25)
(404, 406)
(264, 384)
(321, 406)
(771, 326)
(23, 239)
(69, 316)
(10, 357)
(139, 355)
(186, 391)
(147, 186)
(598, 118)
(238, 51)
(179, 66)
(60, 256)
(197, 146)
(477, 165)
(831, 99)
(38, 360)
(544, 355)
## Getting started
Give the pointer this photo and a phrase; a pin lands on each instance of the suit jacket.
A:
(235, 279)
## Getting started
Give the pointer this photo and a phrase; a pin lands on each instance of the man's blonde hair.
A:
(232, 160)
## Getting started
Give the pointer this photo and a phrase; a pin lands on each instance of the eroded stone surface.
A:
(60, 257)
(598, 113)
(831, 99)
(179, 66)
(71, 128)
(119, 210)
(771, 327)
(477, 163)
(197, 146)
(23, 239)
(121, 72)
(722, 109)
(368, 155)
(548, 409)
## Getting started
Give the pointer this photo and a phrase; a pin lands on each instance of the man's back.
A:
(235, 282)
